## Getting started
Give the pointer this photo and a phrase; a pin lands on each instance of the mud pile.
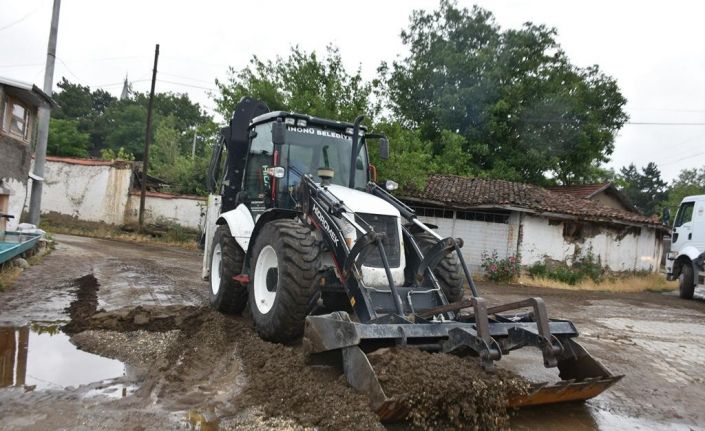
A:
(280, 381)
(214, 363)
(443, 391)
(85, 304)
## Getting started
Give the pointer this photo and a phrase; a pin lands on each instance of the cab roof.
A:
(270, 116)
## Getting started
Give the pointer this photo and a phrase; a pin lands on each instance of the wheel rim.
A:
(266, 279)
(216, 261)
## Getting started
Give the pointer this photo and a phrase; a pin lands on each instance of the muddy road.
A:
(111, 335)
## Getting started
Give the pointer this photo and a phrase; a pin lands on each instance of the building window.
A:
(16, 119)
(488, 217)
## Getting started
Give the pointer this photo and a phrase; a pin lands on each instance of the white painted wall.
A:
(101, 193)
(478, 236)
(641, 252)
(187, 212)
(91, 193)
(17, 192)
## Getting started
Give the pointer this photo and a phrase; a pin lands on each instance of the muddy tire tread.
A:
(232, 296)
(686, 284)
(298, 259)
(449, 273)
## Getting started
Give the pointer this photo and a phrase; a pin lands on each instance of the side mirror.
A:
(278, 133)
(383, 148)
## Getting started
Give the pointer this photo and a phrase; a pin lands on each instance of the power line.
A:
(185, 77)
(186, 85)
(5, 27)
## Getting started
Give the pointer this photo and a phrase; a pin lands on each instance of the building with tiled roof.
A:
(537, 223)
(605, 193)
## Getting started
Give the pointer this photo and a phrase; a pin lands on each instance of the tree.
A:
(523, 110)
(77, 102)
(66, 140)
(302, 82)
(645, 189)
(689, 182)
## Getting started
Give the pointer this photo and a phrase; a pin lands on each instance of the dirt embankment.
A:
(445, 391)
(215, 363)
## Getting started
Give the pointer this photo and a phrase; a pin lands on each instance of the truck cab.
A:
(685, 261)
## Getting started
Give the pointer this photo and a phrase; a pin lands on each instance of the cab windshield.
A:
(310, 148)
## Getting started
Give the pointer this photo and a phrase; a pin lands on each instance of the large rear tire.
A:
(448, 271)
(226, 295)
(282, 289)
(686, 281)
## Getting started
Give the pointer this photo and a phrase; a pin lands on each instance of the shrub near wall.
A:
(500, 270)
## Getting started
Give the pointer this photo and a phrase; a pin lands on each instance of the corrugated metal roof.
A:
(32, 91)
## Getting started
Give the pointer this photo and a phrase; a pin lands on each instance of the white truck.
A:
(686, 260)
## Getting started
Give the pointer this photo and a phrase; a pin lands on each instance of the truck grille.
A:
(388, 225)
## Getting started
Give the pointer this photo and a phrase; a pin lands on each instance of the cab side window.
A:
(259, 158)
(685, 214)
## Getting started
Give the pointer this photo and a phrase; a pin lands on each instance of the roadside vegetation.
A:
(10, 270)
(626, 282)
(163, 233)
(587, 273)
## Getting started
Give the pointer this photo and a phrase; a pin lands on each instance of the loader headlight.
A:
(391, 185)
(276, 171)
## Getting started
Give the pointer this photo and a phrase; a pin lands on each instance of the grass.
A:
(164, 233)
(638, 282)
(9, 271)
(8, 274)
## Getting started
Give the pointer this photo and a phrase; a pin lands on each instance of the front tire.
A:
(282, 289)
(448, 271)
(226, 295)
(686, 281)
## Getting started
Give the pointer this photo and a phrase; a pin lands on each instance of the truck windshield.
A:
(310, 148)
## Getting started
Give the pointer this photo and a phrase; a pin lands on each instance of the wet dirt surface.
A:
(182, 366)
(445, 391)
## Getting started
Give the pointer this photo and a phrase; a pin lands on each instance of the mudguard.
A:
(264, 218)
(240, 223)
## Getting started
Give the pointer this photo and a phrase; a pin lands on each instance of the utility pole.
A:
(43, 116)
(148, 138)
(193, 147)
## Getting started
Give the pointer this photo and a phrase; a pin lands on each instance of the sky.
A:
(655, 50)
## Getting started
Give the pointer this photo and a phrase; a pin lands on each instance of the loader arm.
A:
(419, 315)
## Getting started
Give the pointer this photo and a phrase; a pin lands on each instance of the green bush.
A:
(586, 266)
(500, 270)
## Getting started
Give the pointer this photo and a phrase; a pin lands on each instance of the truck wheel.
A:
(449, 273)
(282, 289)
(226, 294)
(686, 281)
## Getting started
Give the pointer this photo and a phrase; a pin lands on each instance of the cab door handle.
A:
(690, 236)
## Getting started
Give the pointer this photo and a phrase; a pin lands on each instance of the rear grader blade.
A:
(487, 338)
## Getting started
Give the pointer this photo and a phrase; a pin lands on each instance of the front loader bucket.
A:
(582, 378)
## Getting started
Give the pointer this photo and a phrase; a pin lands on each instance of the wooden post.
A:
(148, 139)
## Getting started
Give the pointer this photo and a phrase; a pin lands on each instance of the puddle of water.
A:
(583, 417)
(43, 356)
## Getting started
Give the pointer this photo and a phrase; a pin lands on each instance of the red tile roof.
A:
(585, 191)
(462, 192)
(588, 191)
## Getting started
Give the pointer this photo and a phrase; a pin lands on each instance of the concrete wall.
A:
(90, 192)
(619, 248)
(185, 211)
(100, 191)
(478, 236)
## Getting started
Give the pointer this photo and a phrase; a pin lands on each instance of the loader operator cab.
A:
(276, 161)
